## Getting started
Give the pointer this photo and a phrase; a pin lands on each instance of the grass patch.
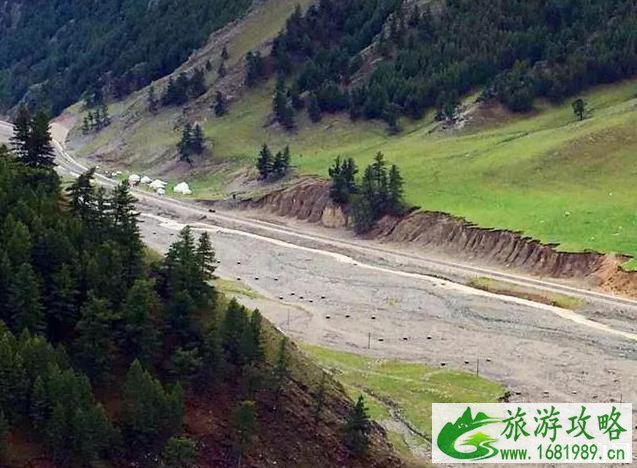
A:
(410, 388)
(554, 178)
(234, 288)
(508, 289)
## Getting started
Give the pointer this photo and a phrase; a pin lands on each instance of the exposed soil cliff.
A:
(309, 200)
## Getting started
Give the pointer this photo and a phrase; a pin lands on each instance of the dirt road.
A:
(351, 296)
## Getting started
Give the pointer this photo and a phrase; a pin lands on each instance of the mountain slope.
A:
(544, 173)
(53, 51)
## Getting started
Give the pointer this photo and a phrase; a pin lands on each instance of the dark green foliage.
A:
(357, 429)
(220, 105)
(343, 183)
(140, 334)
(225, 55)
(264, 162)
(149, 411)
(579, 108)
(221, 71)
(4, 435)
(379, 193)
(69, 46)
(313, 109)
(179, 452)
(246, 425)
(71, 271)
(283, 110)
(94, 343)
(395, 203)
(31, 139)
(151, 100)
(275, 166)
(436, 53)
(197, 83)
(281, 163)
(255, 68)
(191, 143)
(281, 367)
(319, 398)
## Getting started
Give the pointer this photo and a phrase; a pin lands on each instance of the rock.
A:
(182, 188)
(333, 216)
(146, 180)
(161, 192)
(134, 179)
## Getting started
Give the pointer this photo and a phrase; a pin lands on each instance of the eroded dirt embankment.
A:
(309, 200)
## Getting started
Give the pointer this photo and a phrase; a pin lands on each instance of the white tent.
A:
(182, 188)
(157, 184)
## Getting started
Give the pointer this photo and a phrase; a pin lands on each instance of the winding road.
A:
(369, 298)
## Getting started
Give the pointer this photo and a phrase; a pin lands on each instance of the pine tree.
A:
(39, 404)
(221, 71)
(140, 338)
(21, 132)
(206, 258)
(86, 126)
(125, 230)
(282, 109)
(179, 452)
(197, 143)
(295, 97)
(40, 148)
(357, 429)
(81, 196)
(579, 108)
(151, 99)
(220, 104)
(61, 302)
(4, 435)
(185, 144)
(233, 328)
(106, 119)
(343, 184)
(395, 203)
(264, 162)
(197, 83)
(313, 109)
(255, 69)
(253, 348)
(94, 338)
(319, 399)
(246, 425)
(148, 410)
(224, 53)
(25, 300)
(281, 162)
(281, 367)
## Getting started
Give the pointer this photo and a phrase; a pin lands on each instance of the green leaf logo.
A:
(482, 443)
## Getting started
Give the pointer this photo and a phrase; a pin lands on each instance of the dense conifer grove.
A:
(86, 311)
(432, 55)
(52, 51)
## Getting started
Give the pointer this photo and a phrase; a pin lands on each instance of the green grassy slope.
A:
(545, 174)
(407, 387)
